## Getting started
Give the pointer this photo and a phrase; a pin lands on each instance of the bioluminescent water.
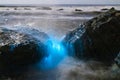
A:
(56, 53)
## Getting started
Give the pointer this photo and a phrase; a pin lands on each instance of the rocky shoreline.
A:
(97, 39)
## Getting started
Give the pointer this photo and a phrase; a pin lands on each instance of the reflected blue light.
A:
(56, 53)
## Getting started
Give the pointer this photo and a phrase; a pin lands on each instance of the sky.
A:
(59, 1)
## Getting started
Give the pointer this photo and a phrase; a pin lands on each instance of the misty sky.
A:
(59, 1)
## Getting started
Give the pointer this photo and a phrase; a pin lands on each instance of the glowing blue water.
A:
(55, 49)
(56, 53)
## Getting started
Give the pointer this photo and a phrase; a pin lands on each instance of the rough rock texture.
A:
(97, 39)
(19, 49)
(117, 59)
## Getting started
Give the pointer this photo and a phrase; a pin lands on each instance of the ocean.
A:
(56, 21)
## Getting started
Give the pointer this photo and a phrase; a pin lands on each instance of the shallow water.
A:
(53, 27)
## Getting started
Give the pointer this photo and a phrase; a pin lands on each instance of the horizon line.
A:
(59, 5)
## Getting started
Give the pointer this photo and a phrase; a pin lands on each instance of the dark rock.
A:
(19, 49)
(60, 9)
(46, 8)
(117, 60)
(15, 8)
(78, 10)
(104, 9)
(96, 39)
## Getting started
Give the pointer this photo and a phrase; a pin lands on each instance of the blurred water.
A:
(56, 25)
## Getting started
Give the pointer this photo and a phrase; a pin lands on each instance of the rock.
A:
(97, 39)
(117, 60)
(104, 9)
(78, 10)
(46, 8)
(19, 49)
(15, 8)
(60, 9)
(74, 39)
